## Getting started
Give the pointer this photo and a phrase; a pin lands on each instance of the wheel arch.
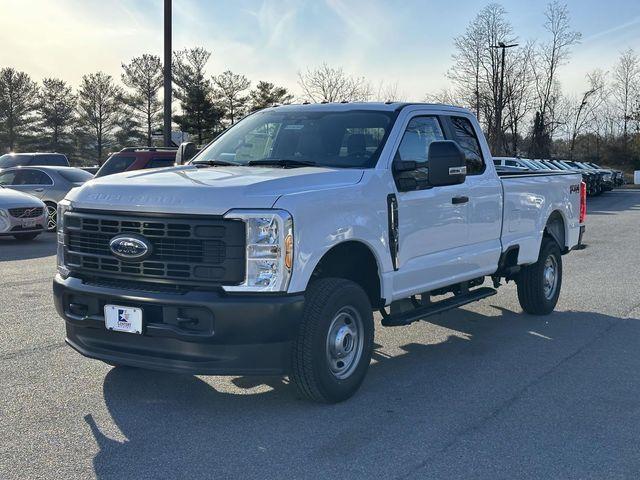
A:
(352, 260)
(556, 228)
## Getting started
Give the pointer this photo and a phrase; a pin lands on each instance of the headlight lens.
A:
(63, 207)
(269, 250)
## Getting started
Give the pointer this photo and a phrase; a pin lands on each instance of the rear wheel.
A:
(539, 284)
(332, 352)
(25, 237)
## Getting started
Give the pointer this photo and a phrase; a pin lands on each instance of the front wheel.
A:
(332, 351)
(539, 284)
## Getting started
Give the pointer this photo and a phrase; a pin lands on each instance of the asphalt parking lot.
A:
(480, 392)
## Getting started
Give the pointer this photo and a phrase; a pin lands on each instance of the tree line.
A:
(521, 104)
(103, 115)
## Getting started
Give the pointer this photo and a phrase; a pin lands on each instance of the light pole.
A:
(167, 74)
(500, 105)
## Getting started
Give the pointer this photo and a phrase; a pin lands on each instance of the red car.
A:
(138, 158)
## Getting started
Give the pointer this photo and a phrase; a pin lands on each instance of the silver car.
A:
(49, 184)
(21, 216)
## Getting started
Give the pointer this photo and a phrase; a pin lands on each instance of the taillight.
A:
(583, 201)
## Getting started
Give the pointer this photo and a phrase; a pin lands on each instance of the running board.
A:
(419, 313)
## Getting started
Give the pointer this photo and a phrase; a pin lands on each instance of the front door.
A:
(432, 221)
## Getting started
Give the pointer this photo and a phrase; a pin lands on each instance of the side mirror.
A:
(186, 151)
(447, 163)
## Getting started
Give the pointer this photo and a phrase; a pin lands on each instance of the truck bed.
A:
(530, 198)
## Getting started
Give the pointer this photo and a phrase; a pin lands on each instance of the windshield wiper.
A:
(283, 162)
(216, 163)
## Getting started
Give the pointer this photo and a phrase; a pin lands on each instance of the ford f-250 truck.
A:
(269, 253)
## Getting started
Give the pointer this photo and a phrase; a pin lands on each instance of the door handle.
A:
(39, 190)
(459, 200)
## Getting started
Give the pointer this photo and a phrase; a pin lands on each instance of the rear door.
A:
(482, 248)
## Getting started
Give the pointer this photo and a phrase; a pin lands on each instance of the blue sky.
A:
(408, 42)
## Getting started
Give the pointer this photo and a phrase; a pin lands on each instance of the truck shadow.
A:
(414, 404)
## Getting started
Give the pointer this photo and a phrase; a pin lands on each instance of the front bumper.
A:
(197, 332)
(14, 226)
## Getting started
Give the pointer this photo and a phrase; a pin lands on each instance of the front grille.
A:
(26, 212)
(185, 250)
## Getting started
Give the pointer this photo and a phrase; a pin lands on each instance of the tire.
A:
(337, 312)
(25, 237)
(52, 217)
(535, 294)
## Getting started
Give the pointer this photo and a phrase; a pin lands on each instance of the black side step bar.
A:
(405, 318)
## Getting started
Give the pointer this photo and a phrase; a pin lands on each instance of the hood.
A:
(212, 190)
(15, 199)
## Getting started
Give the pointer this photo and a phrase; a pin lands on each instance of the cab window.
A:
(466, 137)
(414, 146)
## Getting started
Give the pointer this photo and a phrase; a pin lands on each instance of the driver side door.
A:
(432, 220)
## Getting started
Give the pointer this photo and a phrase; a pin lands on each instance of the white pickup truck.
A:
(270, 251)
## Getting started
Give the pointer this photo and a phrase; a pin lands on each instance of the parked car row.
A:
(42, 180)
(596, 178)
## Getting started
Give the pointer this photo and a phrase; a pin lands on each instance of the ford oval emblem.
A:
(130, 247)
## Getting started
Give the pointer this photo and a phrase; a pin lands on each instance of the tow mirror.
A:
(186, 151)
(447, 163)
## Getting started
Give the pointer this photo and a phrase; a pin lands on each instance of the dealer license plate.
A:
(123, 319)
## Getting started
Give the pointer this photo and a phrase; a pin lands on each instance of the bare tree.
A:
(477, 69)
(626, 82)
(230, 91)
(550, 57)
(332, 84)
(518, 99)
(143, 75)
(56, 106)
(583, 111)
(99, 107)
(18, 101)
(466, 72)
(389, 92)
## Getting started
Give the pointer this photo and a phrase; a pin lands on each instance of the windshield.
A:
(12, 160)
(333, 139)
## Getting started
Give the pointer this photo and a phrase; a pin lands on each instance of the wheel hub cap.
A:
(549, 276)
(345, 342)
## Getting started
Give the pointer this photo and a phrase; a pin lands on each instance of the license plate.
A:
(123, 319)
(29, 223)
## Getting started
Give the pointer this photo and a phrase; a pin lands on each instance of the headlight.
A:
(269, 250)
(64, 206)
